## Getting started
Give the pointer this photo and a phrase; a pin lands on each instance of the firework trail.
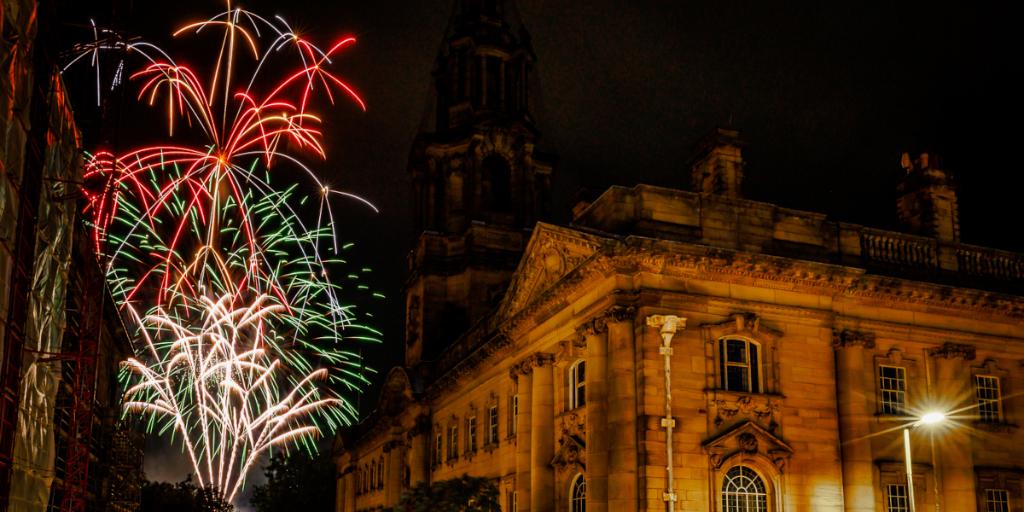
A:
(239, 341)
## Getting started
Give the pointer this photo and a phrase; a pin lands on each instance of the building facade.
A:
(62, 446)
(683, 350)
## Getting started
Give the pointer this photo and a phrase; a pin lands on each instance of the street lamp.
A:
(930, 418)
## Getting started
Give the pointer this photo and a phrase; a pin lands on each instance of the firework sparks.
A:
(240, 344)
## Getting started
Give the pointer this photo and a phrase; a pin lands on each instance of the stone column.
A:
(855, 397)
(594, 334)
(524, 378)
(542, 435)
(349, 504)
(393, 453)
(622, 411)
(954, 390)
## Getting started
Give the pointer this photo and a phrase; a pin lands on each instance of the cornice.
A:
(847, 338)
(526, 365)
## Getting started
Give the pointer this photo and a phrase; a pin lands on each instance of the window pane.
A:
(736, 378)
(997, 500)
(891, 389)
(896, 498)
(743, 491)
(755, 382)
(988, 394)
(736, 351)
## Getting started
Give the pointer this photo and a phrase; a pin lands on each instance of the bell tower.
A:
(479, 183)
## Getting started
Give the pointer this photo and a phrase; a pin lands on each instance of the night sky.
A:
(827, 95)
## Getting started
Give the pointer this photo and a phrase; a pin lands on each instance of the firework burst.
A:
(243, 342)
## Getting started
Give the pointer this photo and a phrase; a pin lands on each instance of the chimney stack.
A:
(718, 164)
(927, 203)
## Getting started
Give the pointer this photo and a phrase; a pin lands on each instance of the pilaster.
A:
(419, 442)
(622, 409)
(855, 397)
(954, 391)
(542, 436)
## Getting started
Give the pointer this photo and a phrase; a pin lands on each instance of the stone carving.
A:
(572, 443)
(750, 440)
(599, 323)
(747, 442)
(847, 338)
(950, 350)
(762, 408)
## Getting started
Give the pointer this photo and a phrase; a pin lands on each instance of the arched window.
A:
(740, 365)
(577, 384)
(578, 494)
(497, 184)
(743, 491)
(380, 473)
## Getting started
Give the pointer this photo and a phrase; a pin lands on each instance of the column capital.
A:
(848, 339)
(526, 365)
(950, 350)
(599, 323)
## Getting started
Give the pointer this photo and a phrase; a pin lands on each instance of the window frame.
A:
(997, 417)
(513, 422)
(765, 489)
(755, 370)
(577, 386)
(1005, 502)
(904, 495)
(887, 407)
(492, 424)
(471, 434)
(453, 442)
(578, 493)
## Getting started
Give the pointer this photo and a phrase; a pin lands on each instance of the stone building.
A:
(61, 338)
(689, 350)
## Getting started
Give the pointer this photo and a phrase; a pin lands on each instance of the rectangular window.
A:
(492, 425)
(997, 500)
(514, 417)
(453, 442)
(471, 434)
(740, 365)
(989, 396)
(438, 450)
(892, 389)
(896, 498)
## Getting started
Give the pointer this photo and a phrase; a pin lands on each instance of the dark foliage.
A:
(183, 496)
(463, 494)
(296, 482)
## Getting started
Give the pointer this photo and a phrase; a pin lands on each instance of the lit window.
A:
(988, 393)
(578, 384)
(743, 491)
(578, 494)
(896, 498)
(471, 434)
(453, 442)
(892, 389)
(492, 424)
(740, 365)
(997, 500)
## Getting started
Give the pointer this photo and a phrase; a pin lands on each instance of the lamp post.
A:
(930, 418)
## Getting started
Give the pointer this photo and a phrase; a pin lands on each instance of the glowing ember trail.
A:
(239, 344)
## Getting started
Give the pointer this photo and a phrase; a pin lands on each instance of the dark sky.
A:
(827, 94)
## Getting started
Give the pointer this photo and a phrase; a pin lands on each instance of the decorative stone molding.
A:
(526, 365)
(727, 405)
(848, 338)
(748, 439)
(950, 350)
(421, 426)
(741, 324)
(599, 323)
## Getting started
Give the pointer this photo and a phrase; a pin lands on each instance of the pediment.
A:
(552, 253)
(748, 439)
(571, 452)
